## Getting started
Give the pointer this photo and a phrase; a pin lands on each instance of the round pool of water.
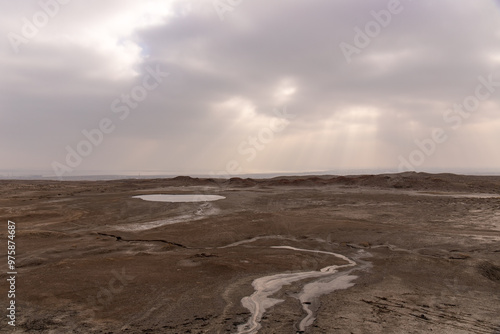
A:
(180, 198)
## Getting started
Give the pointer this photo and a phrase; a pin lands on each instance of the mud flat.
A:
(396, 253)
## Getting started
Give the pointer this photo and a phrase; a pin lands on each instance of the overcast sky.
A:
(249, 86)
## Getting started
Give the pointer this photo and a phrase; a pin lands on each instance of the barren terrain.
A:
(396, 253)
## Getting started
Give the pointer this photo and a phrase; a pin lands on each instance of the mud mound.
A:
(406, 180)
(239, 182)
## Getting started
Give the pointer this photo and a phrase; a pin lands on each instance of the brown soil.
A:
(434, 265)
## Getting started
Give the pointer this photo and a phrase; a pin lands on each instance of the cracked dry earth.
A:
(400, 253)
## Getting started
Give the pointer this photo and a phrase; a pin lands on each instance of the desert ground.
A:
(394, 253)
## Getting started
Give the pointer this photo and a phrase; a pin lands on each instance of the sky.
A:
(232, 87)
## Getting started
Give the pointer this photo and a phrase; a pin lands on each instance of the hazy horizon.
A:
(112, 175)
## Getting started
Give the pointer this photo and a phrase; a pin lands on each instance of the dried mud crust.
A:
(434, 264)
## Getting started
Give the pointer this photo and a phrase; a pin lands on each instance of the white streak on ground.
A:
(266, 286)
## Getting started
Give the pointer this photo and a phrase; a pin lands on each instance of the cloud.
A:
(226, 78)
